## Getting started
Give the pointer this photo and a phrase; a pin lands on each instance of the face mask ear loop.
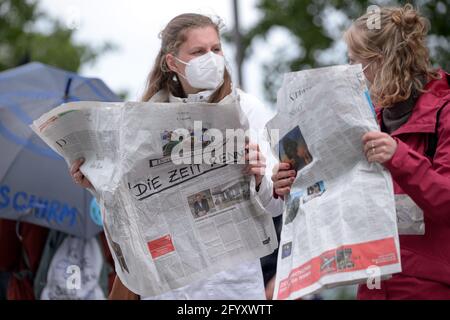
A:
(367, 66)
(185, 63)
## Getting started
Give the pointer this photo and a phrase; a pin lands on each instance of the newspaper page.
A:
(339, 221)
(168, 221)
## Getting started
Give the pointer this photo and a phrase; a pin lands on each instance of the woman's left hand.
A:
(256, 163)
(379, 146)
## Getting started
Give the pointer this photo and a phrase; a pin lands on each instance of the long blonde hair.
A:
(398, 47)
(172, 37)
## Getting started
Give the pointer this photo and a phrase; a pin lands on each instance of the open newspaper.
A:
(168, 223)
(339, 223)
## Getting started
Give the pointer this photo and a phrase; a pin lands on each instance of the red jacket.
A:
(427, 182)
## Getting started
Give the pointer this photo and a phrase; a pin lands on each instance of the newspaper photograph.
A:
(169, 220)
(339, 220)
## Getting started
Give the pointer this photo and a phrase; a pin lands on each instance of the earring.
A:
(174, 78)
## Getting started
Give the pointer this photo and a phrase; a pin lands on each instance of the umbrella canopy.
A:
(35, 185)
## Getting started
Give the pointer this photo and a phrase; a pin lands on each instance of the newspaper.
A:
(339, 221)
(167, 223)
(410, 220)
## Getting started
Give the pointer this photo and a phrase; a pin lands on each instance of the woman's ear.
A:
(171, 63)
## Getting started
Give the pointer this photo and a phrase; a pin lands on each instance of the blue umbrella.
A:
(35, 185)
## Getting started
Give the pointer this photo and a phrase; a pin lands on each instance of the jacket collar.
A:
(163, 97)
(192, 98)
(423, 117)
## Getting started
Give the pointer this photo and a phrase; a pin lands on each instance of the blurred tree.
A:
(21, 42)
(316, 27)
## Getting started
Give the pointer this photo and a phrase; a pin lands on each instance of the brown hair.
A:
(173, 35)
(400, 47)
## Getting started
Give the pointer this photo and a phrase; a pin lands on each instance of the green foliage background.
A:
(21, 41)
(305, 20)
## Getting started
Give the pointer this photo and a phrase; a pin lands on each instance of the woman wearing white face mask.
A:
(190, 67)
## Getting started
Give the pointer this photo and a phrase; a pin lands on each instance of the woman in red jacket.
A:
(414, 145)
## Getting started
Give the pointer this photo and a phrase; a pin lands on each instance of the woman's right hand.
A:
(283, 178)
(78, 177)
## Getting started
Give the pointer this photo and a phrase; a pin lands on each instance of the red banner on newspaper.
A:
(161, 246)
(343, 259)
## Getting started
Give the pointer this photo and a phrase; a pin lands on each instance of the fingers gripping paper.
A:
(168, 225)
(339, 220)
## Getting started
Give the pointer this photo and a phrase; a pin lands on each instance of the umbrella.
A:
(35, 185)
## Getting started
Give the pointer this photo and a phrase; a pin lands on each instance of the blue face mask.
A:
(369, 100)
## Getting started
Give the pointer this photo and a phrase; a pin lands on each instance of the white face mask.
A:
(205, 72)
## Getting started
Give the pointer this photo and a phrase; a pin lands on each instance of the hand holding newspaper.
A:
(339, 221)
(167, 224)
